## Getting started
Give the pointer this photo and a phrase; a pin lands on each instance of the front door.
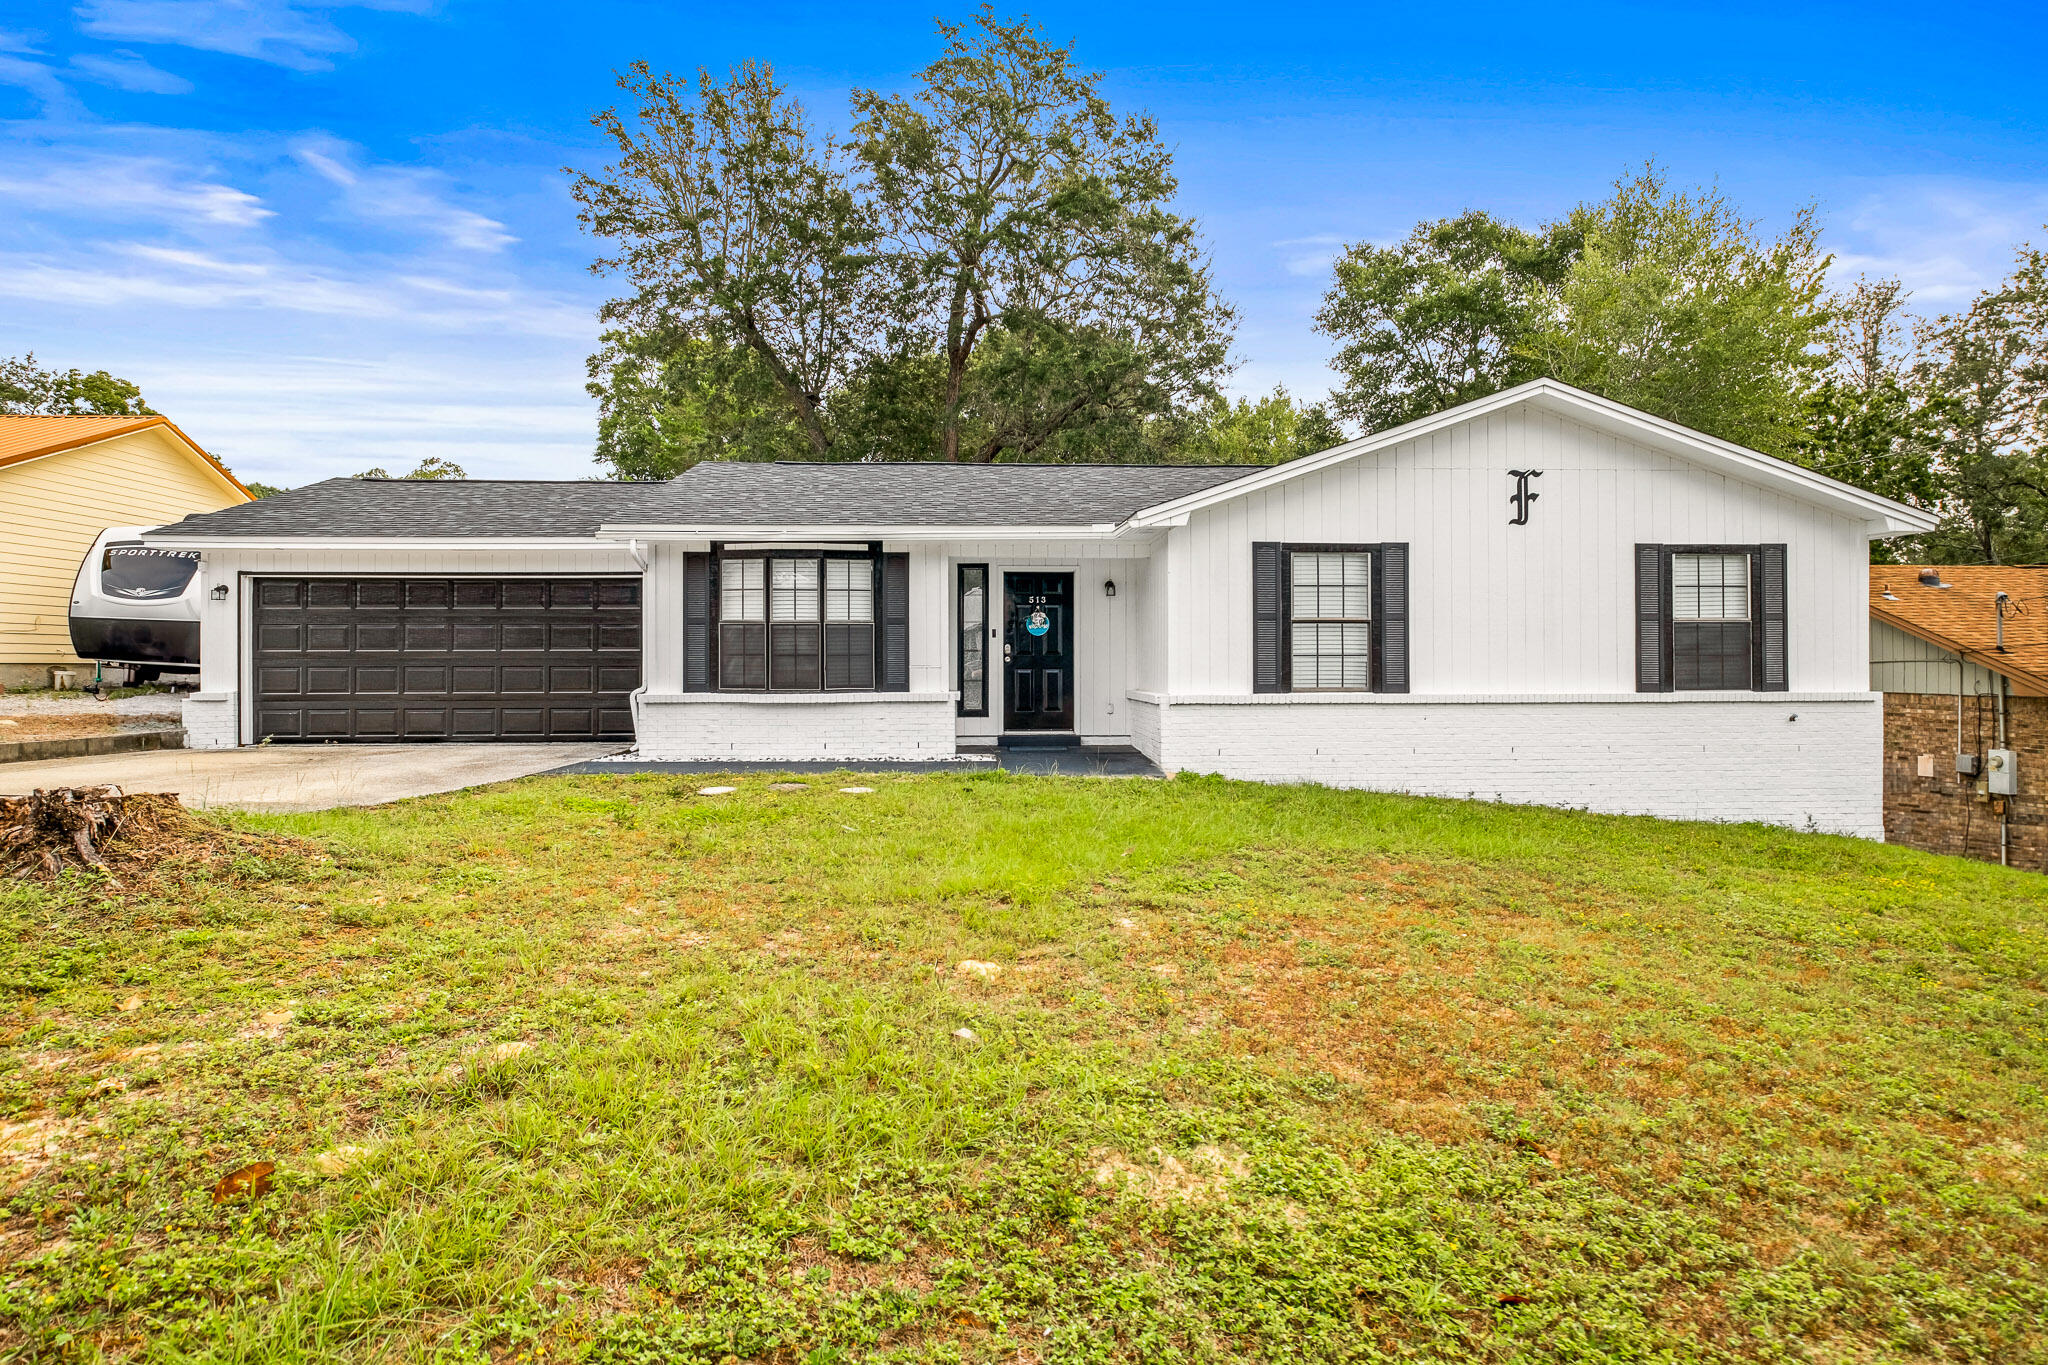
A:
(1038, 651)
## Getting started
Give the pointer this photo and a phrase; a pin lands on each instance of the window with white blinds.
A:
(1330, 620)
(796, 623)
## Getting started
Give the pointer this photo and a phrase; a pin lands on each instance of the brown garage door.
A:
(409, 659)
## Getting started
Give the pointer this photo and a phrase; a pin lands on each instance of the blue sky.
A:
(329, 236)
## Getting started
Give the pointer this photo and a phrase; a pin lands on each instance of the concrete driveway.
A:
(302, 777)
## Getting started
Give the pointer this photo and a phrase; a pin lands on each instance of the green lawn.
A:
(598, 1068)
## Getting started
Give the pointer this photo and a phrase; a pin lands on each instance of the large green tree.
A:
(1675, 305)
(1866, 421)
(1983, 373)
(748, 257)
(1670, 302)
(1032, 244)
(1444, 316)
(26, 387)
(991, 270)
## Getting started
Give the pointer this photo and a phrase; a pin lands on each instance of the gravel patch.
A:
(166, 704)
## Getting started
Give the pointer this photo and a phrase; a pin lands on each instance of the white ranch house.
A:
(1542, 596)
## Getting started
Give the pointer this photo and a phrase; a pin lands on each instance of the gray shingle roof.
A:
(732, 493)
(718, 493)
(438, 509)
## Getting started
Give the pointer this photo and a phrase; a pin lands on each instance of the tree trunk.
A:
(806, 407)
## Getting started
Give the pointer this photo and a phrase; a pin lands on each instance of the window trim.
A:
(720, 556)
(960, 572)
(1374, 626)
(1755, 555)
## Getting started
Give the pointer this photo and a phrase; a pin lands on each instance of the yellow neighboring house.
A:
(63, 480)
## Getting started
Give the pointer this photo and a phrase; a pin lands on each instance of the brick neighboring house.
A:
(1960, 677)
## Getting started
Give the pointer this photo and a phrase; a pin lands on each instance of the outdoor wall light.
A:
(220, 592)
(1109, 587)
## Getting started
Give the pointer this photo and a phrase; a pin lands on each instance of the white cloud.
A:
(400, 196)
(128, 275)
(283, 32)
(1307, 256)
(21, 66)
(127, 188)
(127, 71)
(1945, 239)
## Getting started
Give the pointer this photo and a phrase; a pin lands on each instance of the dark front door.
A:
(1038, 651)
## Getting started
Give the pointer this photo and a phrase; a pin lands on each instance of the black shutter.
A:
(895, 624)
(1651, 626)
(1390, 617)
(696, 623)
(1772, 672)
(1269, 639)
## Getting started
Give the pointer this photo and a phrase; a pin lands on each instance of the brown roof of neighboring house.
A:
(32, 437)
(1963, 616)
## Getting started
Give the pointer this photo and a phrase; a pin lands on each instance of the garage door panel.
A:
(571, 678)
(573, 721)
(571, 594)
(389, 659)
(330, 680)
(523, 594)
(580, 636)
(428, 594)
(280, 680)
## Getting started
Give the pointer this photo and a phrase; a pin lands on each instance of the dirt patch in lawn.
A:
(14, 729)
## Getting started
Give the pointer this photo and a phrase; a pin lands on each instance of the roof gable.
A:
(1882, 515)
(25, 437)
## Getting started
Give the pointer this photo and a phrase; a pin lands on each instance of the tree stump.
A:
(47, 829)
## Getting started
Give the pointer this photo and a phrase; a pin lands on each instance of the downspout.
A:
(633, 698)
(2004, 806)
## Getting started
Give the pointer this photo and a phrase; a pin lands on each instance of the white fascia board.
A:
(861, 534)
(1884, 516)
(296, 544)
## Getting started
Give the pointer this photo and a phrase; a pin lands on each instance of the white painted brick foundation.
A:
(805, 727)
(1738, 757)
(210, 721)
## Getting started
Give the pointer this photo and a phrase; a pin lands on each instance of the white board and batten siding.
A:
(1521, 638)
(214, 715)
(1517, 610)
(1106, 629)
